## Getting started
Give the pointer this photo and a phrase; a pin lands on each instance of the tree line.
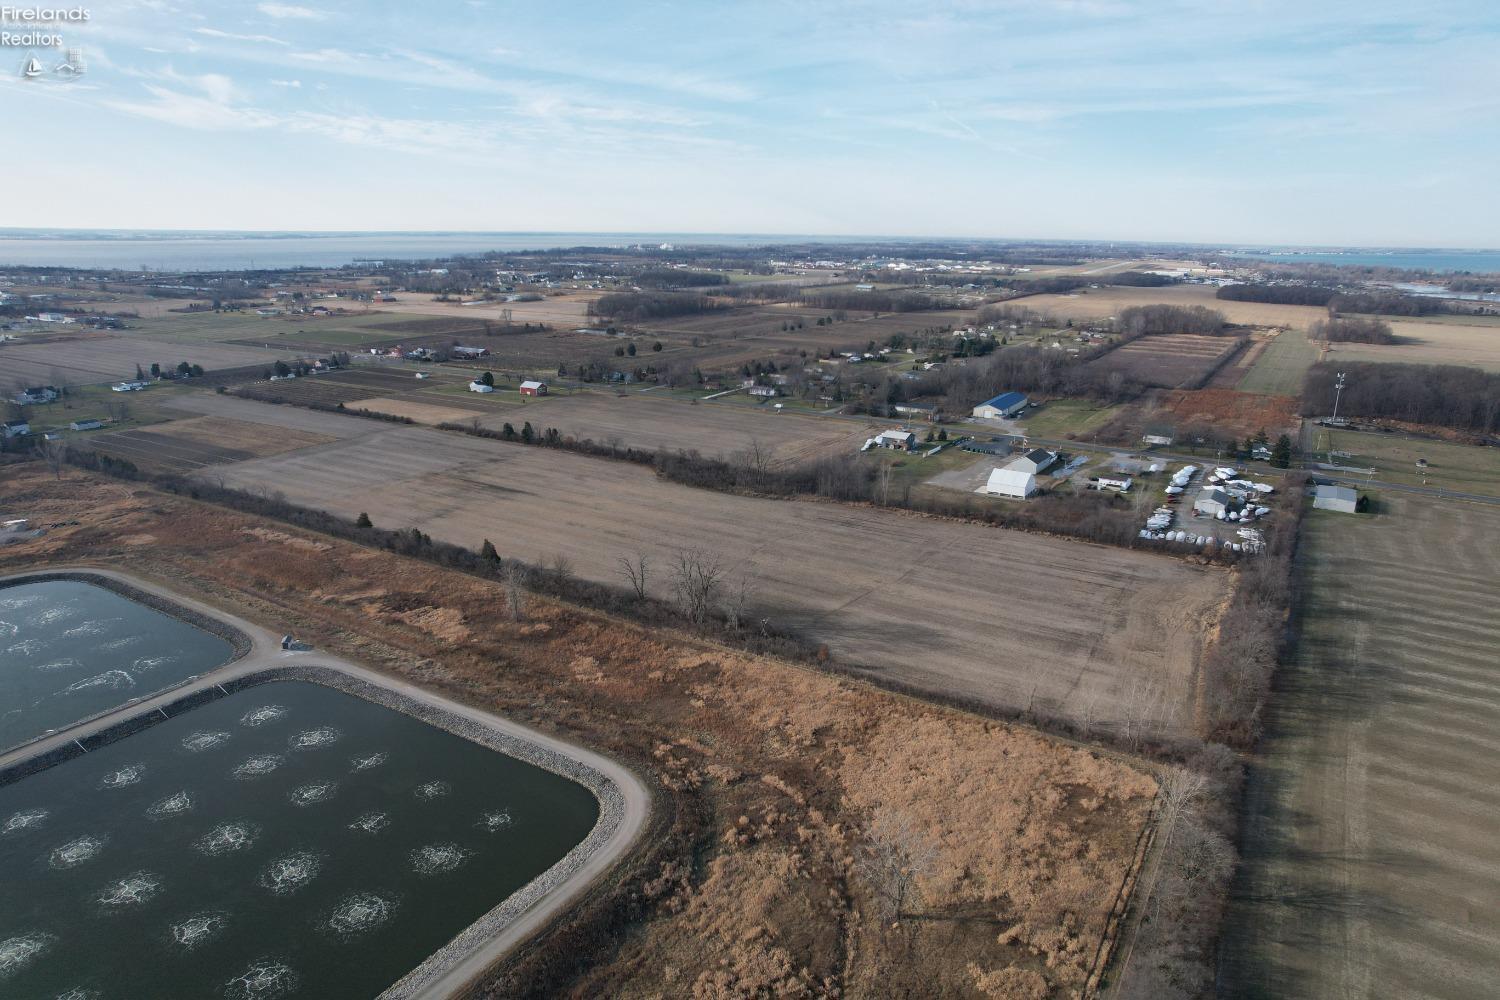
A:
(1465, 399)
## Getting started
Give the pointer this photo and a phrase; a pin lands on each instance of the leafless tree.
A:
(561, 567)
(55, 453)
(636, 569)
(895, 857)
(883, 482)
(516, 576)
(697, 579)
(737, 599)
(756, 456)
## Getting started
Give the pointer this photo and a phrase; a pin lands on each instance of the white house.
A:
(480, 387)
(16, 428)
(1339, 498)
(1007, 404)
(1119, 484)
(86, 425)
(37, 394)
(1035, 461)
(1009, 481)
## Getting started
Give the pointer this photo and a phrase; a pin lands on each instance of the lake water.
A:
(288, 840)
(1443, 261)
(70, 650)
(180, 252)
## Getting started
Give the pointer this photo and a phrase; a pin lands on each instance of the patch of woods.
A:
(1466, 399)
(1138, 321)
(641, 307)
(1337, 300)
(1061, 284)
(1352, 330)
(671, 277)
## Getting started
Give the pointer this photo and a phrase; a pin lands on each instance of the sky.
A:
(1371, 123)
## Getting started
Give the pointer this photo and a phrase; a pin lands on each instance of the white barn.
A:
(1010, 482)
(1339, 498)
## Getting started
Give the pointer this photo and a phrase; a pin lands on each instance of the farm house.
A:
(1340, 498)
(1010, 482)
(1007, 404)
(480, 387)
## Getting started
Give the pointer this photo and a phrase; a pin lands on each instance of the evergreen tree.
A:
(1281, 455)
(527, 433)
(363, 521)
(487, 551)
(488, 378)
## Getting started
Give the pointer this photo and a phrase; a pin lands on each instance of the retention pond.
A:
(70, 650)
(286, 839)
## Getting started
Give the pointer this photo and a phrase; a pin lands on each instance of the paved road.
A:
(266, 652)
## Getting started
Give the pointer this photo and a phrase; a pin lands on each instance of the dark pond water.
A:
(69, 650)
(287, 840)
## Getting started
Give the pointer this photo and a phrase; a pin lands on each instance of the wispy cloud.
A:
(290, 12)
(231, 36)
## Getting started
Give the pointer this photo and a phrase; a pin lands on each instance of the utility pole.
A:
(1338, 390)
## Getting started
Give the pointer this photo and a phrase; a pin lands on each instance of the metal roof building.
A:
(1339, 498)
(1006, 404)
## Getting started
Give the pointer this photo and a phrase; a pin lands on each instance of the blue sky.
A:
(1374, 123)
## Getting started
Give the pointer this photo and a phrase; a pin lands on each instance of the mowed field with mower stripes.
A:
(1372, 864)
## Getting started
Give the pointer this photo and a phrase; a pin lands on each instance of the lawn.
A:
(120, 410)
(1462, 467)
(1282, 365)
(1062, 418)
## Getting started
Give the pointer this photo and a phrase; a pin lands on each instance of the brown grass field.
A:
(1168, 360)
(1448, 340)
(1085, 630)
(789, 806)
(1102, 303)
(423, 413)
(1371, 862)
(110, 357)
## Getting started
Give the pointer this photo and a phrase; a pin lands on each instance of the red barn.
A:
(532, 388)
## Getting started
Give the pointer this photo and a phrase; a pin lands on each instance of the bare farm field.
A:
(1169, 360)
(193, 443)
(1103, 303)
(772, 785)
(1085, 629)
(1424, 342)
(713, 429)
(562, 312)
(112, 357)
(1371, 865)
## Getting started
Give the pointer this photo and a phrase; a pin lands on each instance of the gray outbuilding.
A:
(1339, 498)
